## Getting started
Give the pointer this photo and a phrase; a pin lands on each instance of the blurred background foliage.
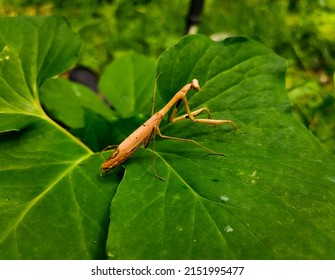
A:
(302, 31)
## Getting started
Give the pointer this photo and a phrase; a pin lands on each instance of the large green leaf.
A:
(271, 197)
(52, 204)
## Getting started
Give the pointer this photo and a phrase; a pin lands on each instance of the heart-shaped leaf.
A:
(271, 197)
(52, 205)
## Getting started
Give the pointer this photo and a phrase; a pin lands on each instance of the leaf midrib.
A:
(35, 200)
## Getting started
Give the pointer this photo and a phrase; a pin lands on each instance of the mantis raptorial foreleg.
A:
(191, 115)
(205, 121)
(194, 113)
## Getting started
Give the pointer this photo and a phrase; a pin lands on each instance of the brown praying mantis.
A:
(144, 133)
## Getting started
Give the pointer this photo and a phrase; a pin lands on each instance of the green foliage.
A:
(313, 105)
(271, 197)
(301, 31)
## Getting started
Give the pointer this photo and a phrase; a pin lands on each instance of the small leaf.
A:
(80, 110)
(128, 84)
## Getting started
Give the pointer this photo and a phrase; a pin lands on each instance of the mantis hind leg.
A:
(157, 130)
(187, 140)
(153, 157)
(216, 122)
